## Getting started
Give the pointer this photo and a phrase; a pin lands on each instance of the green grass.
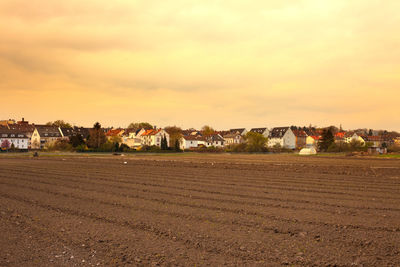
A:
(390, 156)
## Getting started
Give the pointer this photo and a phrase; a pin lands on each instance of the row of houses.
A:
(23, 135)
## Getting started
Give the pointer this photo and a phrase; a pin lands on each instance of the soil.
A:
(266, 210)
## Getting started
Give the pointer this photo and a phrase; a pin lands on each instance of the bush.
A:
(236, 148)
(60, 145)
(394, 148)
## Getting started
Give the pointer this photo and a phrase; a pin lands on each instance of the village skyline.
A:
(198, 125)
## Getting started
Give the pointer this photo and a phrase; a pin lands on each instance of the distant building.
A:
(263, 131)
(233, 138)
(283, 137)
(153, 137)
(191, 142)
(45, 135)
(241, 131)
(15, 138)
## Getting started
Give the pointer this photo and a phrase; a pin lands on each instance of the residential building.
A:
(301, 138)
(15, 138)
(283, 137)
(241, 131)
(233, 138)
(313, 140)
(263, 131)
(46, 134)
(215, 140)
(192, 141)
(153, 137)
(132, 137)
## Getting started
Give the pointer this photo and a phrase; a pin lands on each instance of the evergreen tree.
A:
(97, 136)
(177, 145)
(327, 140)
(164, 143)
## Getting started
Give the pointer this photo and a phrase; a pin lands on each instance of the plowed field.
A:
(266, 210)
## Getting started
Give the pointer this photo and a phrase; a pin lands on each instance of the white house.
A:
(132, 137)
(282, 136)
(192, 141)
(233, 138)
(153, 137)
(215, 140)
(355, 137)
(19, 140)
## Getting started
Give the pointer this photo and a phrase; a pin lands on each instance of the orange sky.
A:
(225, 63)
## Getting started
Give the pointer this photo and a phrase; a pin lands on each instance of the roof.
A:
(151, 132)
(214, 138)
(114, 132)
(7, 133)
(340, 134)
(316, 137)
(278, 132)
(48, 131)
(232, 135)
(68, 132)
(299, 133)
(23, 128)
(372, 138)
(239, 130)
(258, 130)
(193, 138)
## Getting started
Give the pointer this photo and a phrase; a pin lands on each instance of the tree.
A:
(327, 140)
(370, 133)
(140, 125)
(96, 136)
(207, 130)
(5, 145)
(177, 145)
(164, 143)
(116, 139)
(256, 142)
(60, 123)
(76, 140)
(175, 133)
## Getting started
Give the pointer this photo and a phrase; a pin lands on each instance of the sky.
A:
(228, 64)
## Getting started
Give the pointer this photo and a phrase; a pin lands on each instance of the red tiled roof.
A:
(113, 132)
(340, 134)
(316, 137)
(150, 132)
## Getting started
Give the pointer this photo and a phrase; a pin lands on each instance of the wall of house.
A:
(274, 141)
(19, 143)
(289, 140)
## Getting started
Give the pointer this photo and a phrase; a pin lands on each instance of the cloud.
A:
(196, 62)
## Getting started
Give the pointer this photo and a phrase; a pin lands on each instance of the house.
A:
(17, 139)
(67, 133)
(313, 140)
(132, 137)
(283, 137)
(233, 138)
(396, 141)
(339, 137)
(114, 133)
(301, 138)
(353, 137)
(263, 131)
(45, 134)
(215, 140)
(26, 129)
(153, 137)
(192, 141)
(241, 131)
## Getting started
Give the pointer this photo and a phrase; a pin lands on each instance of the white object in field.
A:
(308, 151)
(125, 162)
